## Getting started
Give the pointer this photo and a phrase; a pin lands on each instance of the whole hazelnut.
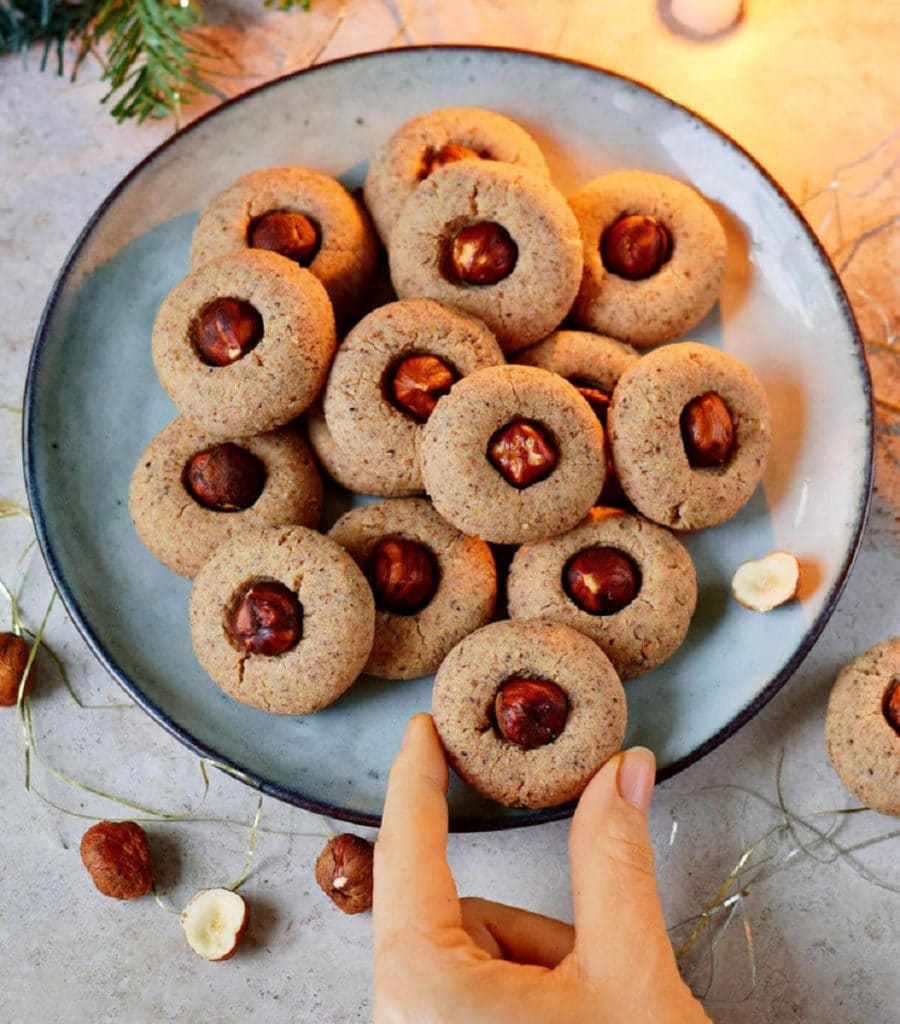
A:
(635, 246)
(523, 452)
(418, 382)
(14, 652)
(402, 574)
(226, 477)
(595, 396)
(433, 159)
(288, 233)
(707, 431)
(226, 330)
(344, 872)
(601, 580)
(266, 618)
(891, 704)
(530, 712)
(117, 855)
(482, 253)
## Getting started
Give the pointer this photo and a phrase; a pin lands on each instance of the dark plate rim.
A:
(460, 824)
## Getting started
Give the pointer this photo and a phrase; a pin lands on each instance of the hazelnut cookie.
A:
(282, 619)
(388, 375)
(528, 711)
(494, 240)
(690, 431)
(862, 727)
(243, 344)
(593, 363)
(512, 454)
(432, 584)
(433, 140)
(191, 491)
(623, 581)
(300, 214)
(654, 256)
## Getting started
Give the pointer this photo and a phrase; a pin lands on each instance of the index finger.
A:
(413, 886)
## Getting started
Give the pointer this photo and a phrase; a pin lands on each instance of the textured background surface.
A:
(811, 93)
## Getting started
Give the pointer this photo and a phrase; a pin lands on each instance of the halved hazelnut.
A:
(418, 381)
(432, 159)
(214, 922)
(530, 712)
(891, 704)
(523, 452)
(288, 233)
(601, 580)
(481, 254)
(117, 857)
(635, 246)
(266, 618)
(226, 477)
(765, 583)
(344, 872)
(14, 652)
(403, 575)
(707, 431)
(226, 330)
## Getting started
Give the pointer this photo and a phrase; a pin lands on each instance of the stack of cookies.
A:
(501, 400)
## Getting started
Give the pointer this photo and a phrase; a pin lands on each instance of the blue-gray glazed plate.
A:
(92, 403)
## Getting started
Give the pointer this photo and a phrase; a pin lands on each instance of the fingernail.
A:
(637, 771)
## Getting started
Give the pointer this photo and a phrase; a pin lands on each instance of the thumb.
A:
(619, 925)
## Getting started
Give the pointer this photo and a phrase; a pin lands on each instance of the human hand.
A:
(442, 960)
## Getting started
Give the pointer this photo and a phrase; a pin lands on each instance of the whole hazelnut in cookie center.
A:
(451, 153)
(416, 383)
(225, 478)
(601, 580)
(523, 452)
(530, 712)
(266, 618)
(891, 704)
(482, 253)
(635, 246)
(403, 575)
(707, 430)
(225, 330)
(286, 232)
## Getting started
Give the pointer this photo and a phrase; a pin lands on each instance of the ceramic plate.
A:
(93, 402)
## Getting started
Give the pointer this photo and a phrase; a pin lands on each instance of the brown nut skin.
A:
(14, 651)
(418, 382)
(707, 431)
(523, 452)
(266, 619)
(634, 247)
(403, 575)
(117, 855)
(344, 872)
(226, 477)
(530, 712)
(288, 233)
(601, 580)
(891, 704)
(482, 253)
(434, 159)
(226, 330)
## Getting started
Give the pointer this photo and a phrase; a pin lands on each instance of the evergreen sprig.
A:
(149, 64)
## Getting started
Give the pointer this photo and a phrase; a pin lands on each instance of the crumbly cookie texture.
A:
(410, 645)
(671, 301)
(181, 532)
(472, 494)
(536, 295)
(404, 160)
(363, 473)
(338, 620)
(651, 627)
(465, 689)
(644, 425)
(361, 416)
(346, 254)
(581, 356)
(862, 742)
(272, 383)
